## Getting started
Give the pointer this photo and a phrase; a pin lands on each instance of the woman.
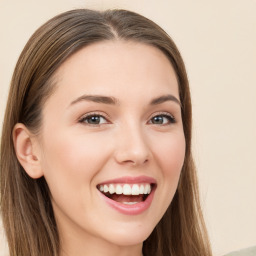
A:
(96, 143)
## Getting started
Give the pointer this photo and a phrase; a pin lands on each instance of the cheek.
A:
(170, 153)
(72, 161)
(77, 152)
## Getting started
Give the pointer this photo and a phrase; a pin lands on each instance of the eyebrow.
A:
(165, 98)
(113, 101)
(97, 99)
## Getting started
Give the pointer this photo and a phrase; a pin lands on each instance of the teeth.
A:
(119, 190)
(141, 189)
(135, 189)
(147, 189)
(105, 188)
(126, 189)
(111, 189)
(130, 203)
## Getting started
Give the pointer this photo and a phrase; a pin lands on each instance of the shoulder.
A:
(245, 252)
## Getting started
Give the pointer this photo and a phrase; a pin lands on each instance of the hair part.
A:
(27, 212)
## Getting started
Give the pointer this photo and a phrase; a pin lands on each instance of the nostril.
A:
(135, 162)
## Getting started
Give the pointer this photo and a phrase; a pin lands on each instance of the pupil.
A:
(94, 120)
(158, 120)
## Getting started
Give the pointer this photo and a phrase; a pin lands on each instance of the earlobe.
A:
(25, 148)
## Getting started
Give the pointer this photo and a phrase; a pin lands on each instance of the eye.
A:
(163, 119)
(93, 119)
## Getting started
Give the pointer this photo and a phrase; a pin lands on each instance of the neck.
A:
(73, 245)
(99, 249)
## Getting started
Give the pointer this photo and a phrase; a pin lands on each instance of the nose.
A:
(132, 147)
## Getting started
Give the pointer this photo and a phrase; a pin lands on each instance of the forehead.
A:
(112, 67)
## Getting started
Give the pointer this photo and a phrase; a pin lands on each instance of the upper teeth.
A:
(126, 189)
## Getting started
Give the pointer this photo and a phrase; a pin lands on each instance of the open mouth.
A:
(128, 194)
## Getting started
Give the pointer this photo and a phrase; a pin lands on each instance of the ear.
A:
(26, 147)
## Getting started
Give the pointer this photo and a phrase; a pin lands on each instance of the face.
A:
(112, 143)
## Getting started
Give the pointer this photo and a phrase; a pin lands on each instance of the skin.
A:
(75, 156)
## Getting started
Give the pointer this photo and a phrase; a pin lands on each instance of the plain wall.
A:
(217, 40)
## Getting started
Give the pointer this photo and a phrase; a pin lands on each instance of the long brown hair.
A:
(26, 208)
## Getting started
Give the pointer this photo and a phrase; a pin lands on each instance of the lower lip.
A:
(133, 209)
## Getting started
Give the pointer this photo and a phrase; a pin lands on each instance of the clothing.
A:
(245, 252)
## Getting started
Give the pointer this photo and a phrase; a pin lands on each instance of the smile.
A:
(128, 196)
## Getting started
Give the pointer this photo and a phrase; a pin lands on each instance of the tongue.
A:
(125, 198)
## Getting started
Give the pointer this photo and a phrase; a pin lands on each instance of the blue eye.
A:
(162, 119)
(94, 119)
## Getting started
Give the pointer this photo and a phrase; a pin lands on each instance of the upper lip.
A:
(130, 180)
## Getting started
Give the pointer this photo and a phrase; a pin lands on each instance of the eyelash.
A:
(85, 118)
(171, 119)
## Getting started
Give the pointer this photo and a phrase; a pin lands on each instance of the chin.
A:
(130, 237)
